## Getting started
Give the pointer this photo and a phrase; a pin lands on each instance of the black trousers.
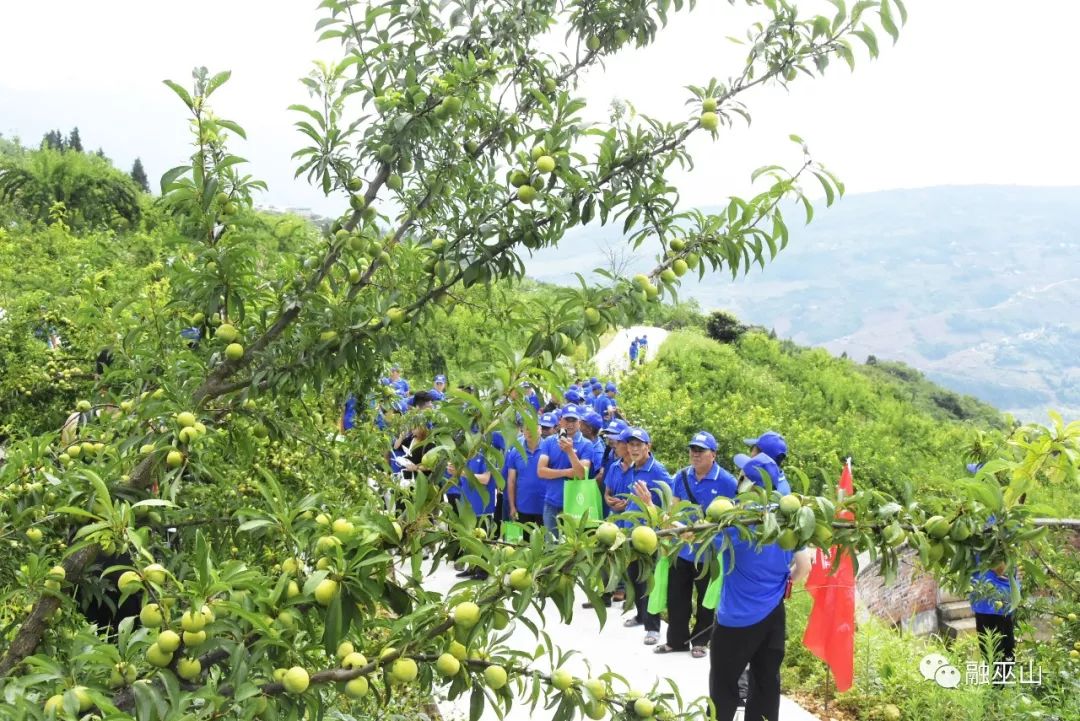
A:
(641, 599)
(1003, 628)
(527, 518)
(683, 581)
(762, 646)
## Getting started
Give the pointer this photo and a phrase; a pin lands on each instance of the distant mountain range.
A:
(976, 286)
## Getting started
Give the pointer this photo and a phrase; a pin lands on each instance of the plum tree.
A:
(415, 130)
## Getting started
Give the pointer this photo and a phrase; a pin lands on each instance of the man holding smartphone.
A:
(564, 456)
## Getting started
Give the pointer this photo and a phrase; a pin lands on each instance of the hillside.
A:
(976, 286)
(828, 408)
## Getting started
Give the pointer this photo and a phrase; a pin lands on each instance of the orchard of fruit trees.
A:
(246, 566)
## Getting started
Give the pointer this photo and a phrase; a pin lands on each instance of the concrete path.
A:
(620, 649)
(614, 358)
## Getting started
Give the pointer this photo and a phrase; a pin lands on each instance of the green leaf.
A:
(233, 127)
(183, 94)
(170, 176)
(887, 21)
(216, 82)
(870, 40)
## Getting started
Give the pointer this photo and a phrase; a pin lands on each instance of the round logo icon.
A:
(947, 676)
(930, 664)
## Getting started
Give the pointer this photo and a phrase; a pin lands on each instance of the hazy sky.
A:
(976, 91)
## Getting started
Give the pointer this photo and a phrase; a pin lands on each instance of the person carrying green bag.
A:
(700, 484)
(642, 488)
(563, 457)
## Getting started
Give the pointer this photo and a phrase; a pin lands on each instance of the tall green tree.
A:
(83, 190)
(53, 140)
(138, 174)
(74, 142)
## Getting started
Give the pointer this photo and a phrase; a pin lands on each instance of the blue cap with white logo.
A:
(440, 379)
(636, 434)
(593, 419)
(770, 443)
(548, 420)
(703, 439)
(571, 411)
(611, 387)
(615, 428)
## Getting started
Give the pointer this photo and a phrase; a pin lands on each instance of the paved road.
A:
(614, 358)
(620, 649)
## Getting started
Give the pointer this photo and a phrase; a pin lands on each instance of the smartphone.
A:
(562, 433)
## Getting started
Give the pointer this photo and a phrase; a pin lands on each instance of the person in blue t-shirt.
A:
(700, 483)
(530, 396)
(610, 391)
(633, 352)
(596, 395)
(991, 600)
(590, 426)
(642, 481)
(564, 456)
(438, 389)
(476, 487)
(524, 488)
(610, 434)
(399, 384)
(750, 621)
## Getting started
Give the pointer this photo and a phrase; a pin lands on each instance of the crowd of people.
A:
(584, 435)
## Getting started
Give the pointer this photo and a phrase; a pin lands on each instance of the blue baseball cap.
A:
(974, 468)
(703, 439)
(395, 367)
(548, 420)
(611, 387)
(636, 434)
(615, 428)
(572, 411)
(440, 379)
(573, 396)
(597, 387)
(593, 419)
(594, 380)
(770, 443)
(758, 468)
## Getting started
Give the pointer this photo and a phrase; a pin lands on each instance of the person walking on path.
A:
(750, 618)
(642, 479)
(524, 488)
(700, 483)
(991, 600)
(563, 456)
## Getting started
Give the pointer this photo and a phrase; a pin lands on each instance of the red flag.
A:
(830, 630)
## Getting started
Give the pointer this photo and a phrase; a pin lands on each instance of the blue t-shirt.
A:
(534, 401)
(754, 578)
(988, 588)
(717, 482)
(348, 418)
(596, 454)
(530, 486)
(633, 350)
(621, 482)
(480, 505)
(400, 386)
(557, 459)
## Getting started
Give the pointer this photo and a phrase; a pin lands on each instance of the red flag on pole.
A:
(830, 630)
